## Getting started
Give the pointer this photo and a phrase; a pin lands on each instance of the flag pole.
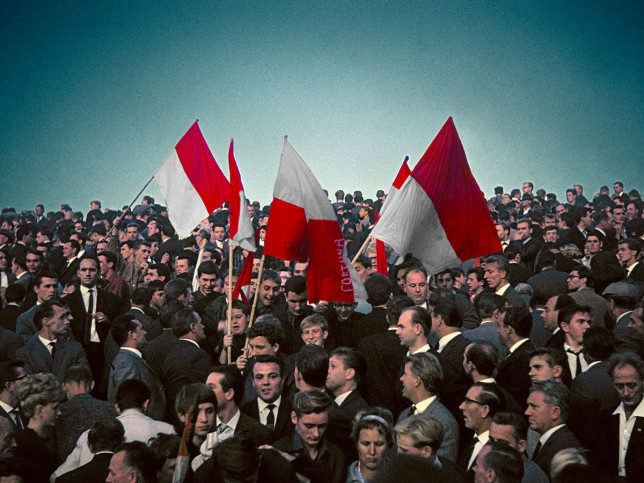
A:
(229, 316)
(255, 297)
(129, 206)
(362, 249)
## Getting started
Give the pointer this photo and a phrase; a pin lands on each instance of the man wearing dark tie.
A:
(11, 375)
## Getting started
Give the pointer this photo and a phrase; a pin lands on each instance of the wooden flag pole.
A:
(128, 208)
(362, 249)
(255, 297)
(229, 325)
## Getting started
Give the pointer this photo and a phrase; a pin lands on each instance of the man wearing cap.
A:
(622, 299)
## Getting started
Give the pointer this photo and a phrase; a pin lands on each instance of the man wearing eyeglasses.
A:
(11, 375)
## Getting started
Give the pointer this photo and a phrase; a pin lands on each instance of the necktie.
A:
(222, 428)
(53, 349)
(270, 419)
(465, 462)
(88, 325)
(578, 365)
(412, 410)
(15, 414)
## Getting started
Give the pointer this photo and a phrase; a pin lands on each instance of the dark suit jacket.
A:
(128, 365)
(518, 274)
(338, 430)
(634, 453)
(10, 342)
(606, 270)
(38, 359)
(8, 317)
(513, 373)
(549, 283)
(384, 355)
(253, 430)
(329, 467)
(637, 274)
(560, 439)
(106, 302)
(455, 381)
(283, 424)
(596, 385)
(95, 471)
(77, 416)
(158, 349)
(577, 238)
(185, 364)
(514, 298)
(66, 273)
(539, 335)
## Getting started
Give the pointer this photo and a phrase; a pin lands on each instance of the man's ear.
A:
(293, 417)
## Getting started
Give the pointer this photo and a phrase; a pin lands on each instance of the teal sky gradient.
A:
(94, 95)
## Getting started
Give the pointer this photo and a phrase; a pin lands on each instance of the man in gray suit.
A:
(489, 306)
(47, 351)
(421, 383)
(46, 288)
(129, 334)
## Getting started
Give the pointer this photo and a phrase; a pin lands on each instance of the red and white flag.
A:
(303, 225)
(439, 213)
(403, 173)
(241, 231)
(191, 182)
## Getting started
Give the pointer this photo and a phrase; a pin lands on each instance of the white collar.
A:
(232, 424)
(424, 348)
(446, 339)
(422, 406)
(544, 437)
(261, 404)
(502, 290)
(131, 349)
(191, 341)
(516, 346)
(638, 413)
(341, 398)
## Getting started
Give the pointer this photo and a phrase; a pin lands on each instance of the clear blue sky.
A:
(94, 95)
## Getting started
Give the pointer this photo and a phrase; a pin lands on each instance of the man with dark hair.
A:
(103, 438)
(270, 407)
(490, 308)
(346, 372)
(580, 283)
(446, 327)
(207, 277)
(628, 253)
(14, 295)
(227, 384)
(11, 375)
(514, 330)
(133, 462)
(315, 457)
(129, 334)
(187, 362)
(528, 246)
(46, 288)
(178, 289)
(80, 411)
(378, 289)
(132, 400)
(414, 326)
(512, 429)
(383, 355)
(311, 368)
(112, 281)
(574, 320)
(498, 462)
(297, 309)
(48, 350)
(595, 384)
(548, 409)
(158, 349)
(92, 310)
(70, 263)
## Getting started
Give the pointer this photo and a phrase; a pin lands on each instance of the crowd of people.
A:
(119, 361)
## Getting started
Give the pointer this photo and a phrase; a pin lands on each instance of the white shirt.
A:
(422, 406)
(572, 360)
(93, 335)
(190, 340)
(46, 343)
(502, 290)
(214, 438)
(263, 409)
(340, 399)
(483, 438)
(625, 431)
(516, 346)
(545, 436)
(629, 270)
(424, 348)
(445, 340)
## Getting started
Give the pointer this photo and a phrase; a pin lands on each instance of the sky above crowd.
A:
(94, 95)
